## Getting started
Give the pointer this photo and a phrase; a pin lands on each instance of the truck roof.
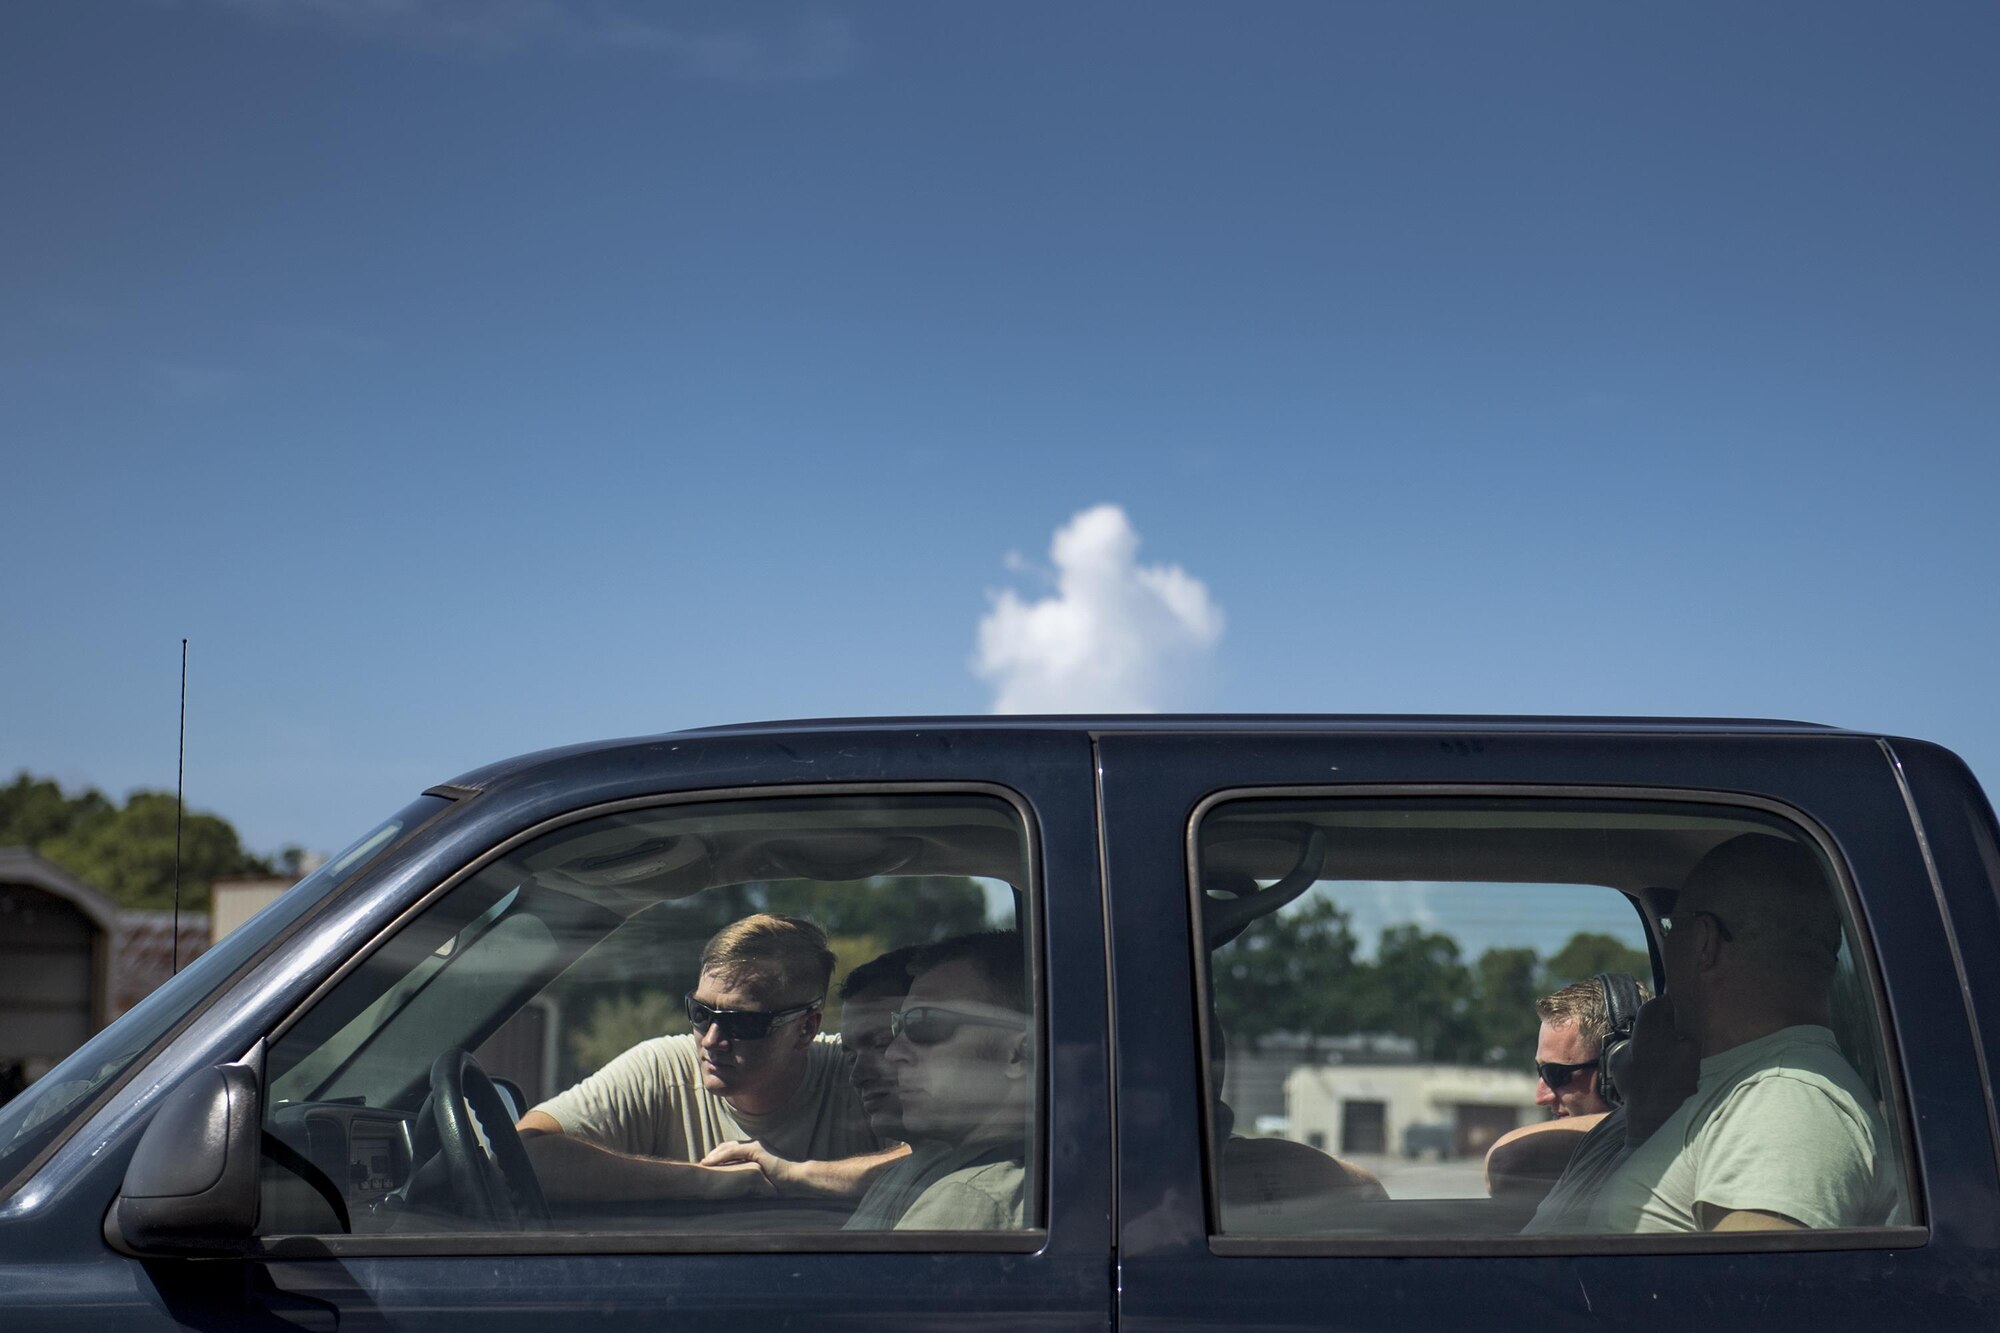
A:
(1185, 722)
(1167, 724)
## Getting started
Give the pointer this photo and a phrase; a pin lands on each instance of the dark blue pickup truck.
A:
(1255, 959)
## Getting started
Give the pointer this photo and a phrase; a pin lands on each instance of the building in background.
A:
(71, 959)
(1367, 1095)
(1450, 1111)
(150, 952)
(231, 902)
(59, 940)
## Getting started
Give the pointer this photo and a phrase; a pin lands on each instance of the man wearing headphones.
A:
(1586, 1029)
(1569, 1053)
(1644, 1071)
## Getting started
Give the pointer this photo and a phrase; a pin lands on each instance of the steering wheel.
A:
(500, 1189)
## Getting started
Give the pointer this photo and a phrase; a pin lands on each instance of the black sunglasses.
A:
(1557, 1076)
(1671, 900)
(929, 1024)
(742, 1024)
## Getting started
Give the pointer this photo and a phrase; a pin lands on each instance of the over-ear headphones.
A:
(1621, 1011)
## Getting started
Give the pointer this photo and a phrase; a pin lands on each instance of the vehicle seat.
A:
(1523, 1164)
(1279, 1187)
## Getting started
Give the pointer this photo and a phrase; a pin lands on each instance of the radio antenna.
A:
(180, 804)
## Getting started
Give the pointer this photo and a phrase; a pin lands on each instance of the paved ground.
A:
(1425, 1178)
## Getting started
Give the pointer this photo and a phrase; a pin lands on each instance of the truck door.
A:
(1327, 953)
(573, 932)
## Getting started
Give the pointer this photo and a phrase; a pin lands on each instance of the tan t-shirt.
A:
(650, 1102)
(972, 1187)
(1781, 1124)
(992, 1197)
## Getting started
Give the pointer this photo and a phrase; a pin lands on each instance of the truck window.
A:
(1424, 1018)
(779, 1017)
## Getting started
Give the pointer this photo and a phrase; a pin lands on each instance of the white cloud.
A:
(1116, 636)
(818, 46)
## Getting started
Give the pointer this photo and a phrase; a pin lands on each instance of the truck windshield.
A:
(36, 1119)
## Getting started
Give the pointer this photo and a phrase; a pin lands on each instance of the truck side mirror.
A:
(192, 1187)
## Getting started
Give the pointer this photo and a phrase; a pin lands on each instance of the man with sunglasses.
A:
(1779, 1131)
(754, 1067)
(1655, 1077)
(1575, 1022)
(962, 1052)
(869, 997)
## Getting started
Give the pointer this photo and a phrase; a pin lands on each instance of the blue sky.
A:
(467, 378)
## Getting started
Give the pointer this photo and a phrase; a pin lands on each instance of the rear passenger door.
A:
(1326, 951)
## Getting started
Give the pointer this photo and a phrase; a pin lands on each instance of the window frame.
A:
(1027, 1240)
(1895, 1091)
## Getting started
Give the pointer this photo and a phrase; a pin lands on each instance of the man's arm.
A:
(840, 1178)
(1712, 1218)
(573, 1169)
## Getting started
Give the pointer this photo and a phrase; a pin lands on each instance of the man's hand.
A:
(1661, 1073)
(784, 1177)
(732, 1182)
(573, 1170)
(845, 1178)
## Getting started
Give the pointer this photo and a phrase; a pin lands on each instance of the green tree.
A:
(127, 851)
(1510, 981)
(1292, 971)
(1423, 991)
(33, 811)
(619, 1022)
(1589, 952)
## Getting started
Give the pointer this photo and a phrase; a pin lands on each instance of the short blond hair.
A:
(1585, 1004)
(786, 955)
